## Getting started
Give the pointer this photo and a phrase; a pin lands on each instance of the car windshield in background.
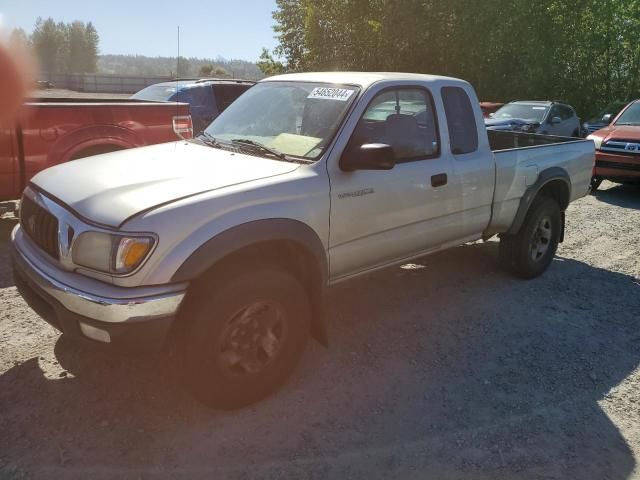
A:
(612, 109)
(296, 119)
(631, 116)
(156, 93)
(533, 113)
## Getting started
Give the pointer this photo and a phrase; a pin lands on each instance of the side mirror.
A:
(608, 118)
(370, 156)
(555, 120)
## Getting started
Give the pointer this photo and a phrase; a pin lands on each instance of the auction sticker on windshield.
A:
(330, 93)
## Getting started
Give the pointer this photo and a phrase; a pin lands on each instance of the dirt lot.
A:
(451, 371)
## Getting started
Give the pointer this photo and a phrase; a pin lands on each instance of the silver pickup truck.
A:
(225, 245)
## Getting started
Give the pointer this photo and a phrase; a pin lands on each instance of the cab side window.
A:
(565, 112)
(463, 132)
(555, 112)
(403, 118)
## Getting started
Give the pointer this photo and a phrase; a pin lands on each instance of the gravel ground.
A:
(449, 370)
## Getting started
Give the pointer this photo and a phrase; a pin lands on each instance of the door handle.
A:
(439, 180)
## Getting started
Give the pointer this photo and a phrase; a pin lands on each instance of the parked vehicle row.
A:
(604, 118)
(546, 118)
(225, 245)
(207, 97)
(618, 148)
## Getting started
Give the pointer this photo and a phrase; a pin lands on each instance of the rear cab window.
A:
(461, 121)
(156, 93)
(227, 93)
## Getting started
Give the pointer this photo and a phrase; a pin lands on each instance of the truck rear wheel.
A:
(245, 337)
(529, 252)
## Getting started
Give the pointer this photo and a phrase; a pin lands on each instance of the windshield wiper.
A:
(628, 123)
(256, 145)
(208, 139)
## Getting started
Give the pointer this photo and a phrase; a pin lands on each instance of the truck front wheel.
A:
(529, 252)
(246, 335)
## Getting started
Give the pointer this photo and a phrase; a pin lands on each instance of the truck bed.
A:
(500, 140)
(79, 102)
(520, 157)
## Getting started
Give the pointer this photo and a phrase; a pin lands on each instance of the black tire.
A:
(576, 133)
(540, 231)
(208, 349)
(595, 183)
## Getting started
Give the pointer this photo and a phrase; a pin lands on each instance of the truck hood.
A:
(110, 188)
(621, 132)
(508, 123)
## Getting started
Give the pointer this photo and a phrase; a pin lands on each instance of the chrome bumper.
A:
(128, 308)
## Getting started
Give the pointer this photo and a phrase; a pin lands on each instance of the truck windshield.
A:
(297, 119)
(613, 109)
(631, 116)
(533, 113)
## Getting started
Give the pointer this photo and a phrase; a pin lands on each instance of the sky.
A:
(208, 29)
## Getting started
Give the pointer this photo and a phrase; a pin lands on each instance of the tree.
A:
(77, 46)
(49, 43)
(18, 38)
(290, 31)
(268, 65)
(183, 68)
(92, 41)
(206, 70)
(62, 47)
(586, 52)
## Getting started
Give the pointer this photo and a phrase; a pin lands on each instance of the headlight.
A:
(117, 254)
(596, 140)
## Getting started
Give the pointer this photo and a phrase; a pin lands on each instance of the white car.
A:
(546, 118)
(226, 244)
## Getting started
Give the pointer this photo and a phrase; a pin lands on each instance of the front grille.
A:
(40, 225)
(622, 147)
(594, 128)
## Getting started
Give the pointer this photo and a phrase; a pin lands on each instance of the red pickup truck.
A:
(53, 131)
(618, 148)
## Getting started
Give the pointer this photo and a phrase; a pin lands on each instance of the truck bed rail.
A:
(500, 140)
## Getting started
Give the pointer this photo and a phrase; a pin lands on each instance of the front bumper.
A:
(617, 167)
(133, 323)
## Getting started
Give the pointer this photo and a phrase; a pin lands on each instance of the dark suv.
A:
(604, 118)
(207, 97)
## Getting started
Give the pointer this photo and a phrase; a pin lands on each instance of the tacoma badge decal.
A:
(357, 193)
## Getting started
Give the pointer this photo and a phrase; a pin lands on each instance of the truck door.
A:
(378, 217)
(473, 162)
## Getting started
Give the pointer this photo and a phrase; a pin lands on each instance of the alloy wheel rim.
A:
(252, 339)
(541, 239)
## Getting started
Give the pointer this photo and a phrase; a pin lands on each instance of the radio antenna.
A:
(177, 73)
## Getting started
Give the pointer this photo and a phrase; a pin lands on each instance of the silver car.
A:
(546, 118)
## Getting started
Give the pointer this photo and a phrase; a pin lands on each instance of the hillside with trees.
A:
(169, 66)
(586, 52)
(74, 48)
